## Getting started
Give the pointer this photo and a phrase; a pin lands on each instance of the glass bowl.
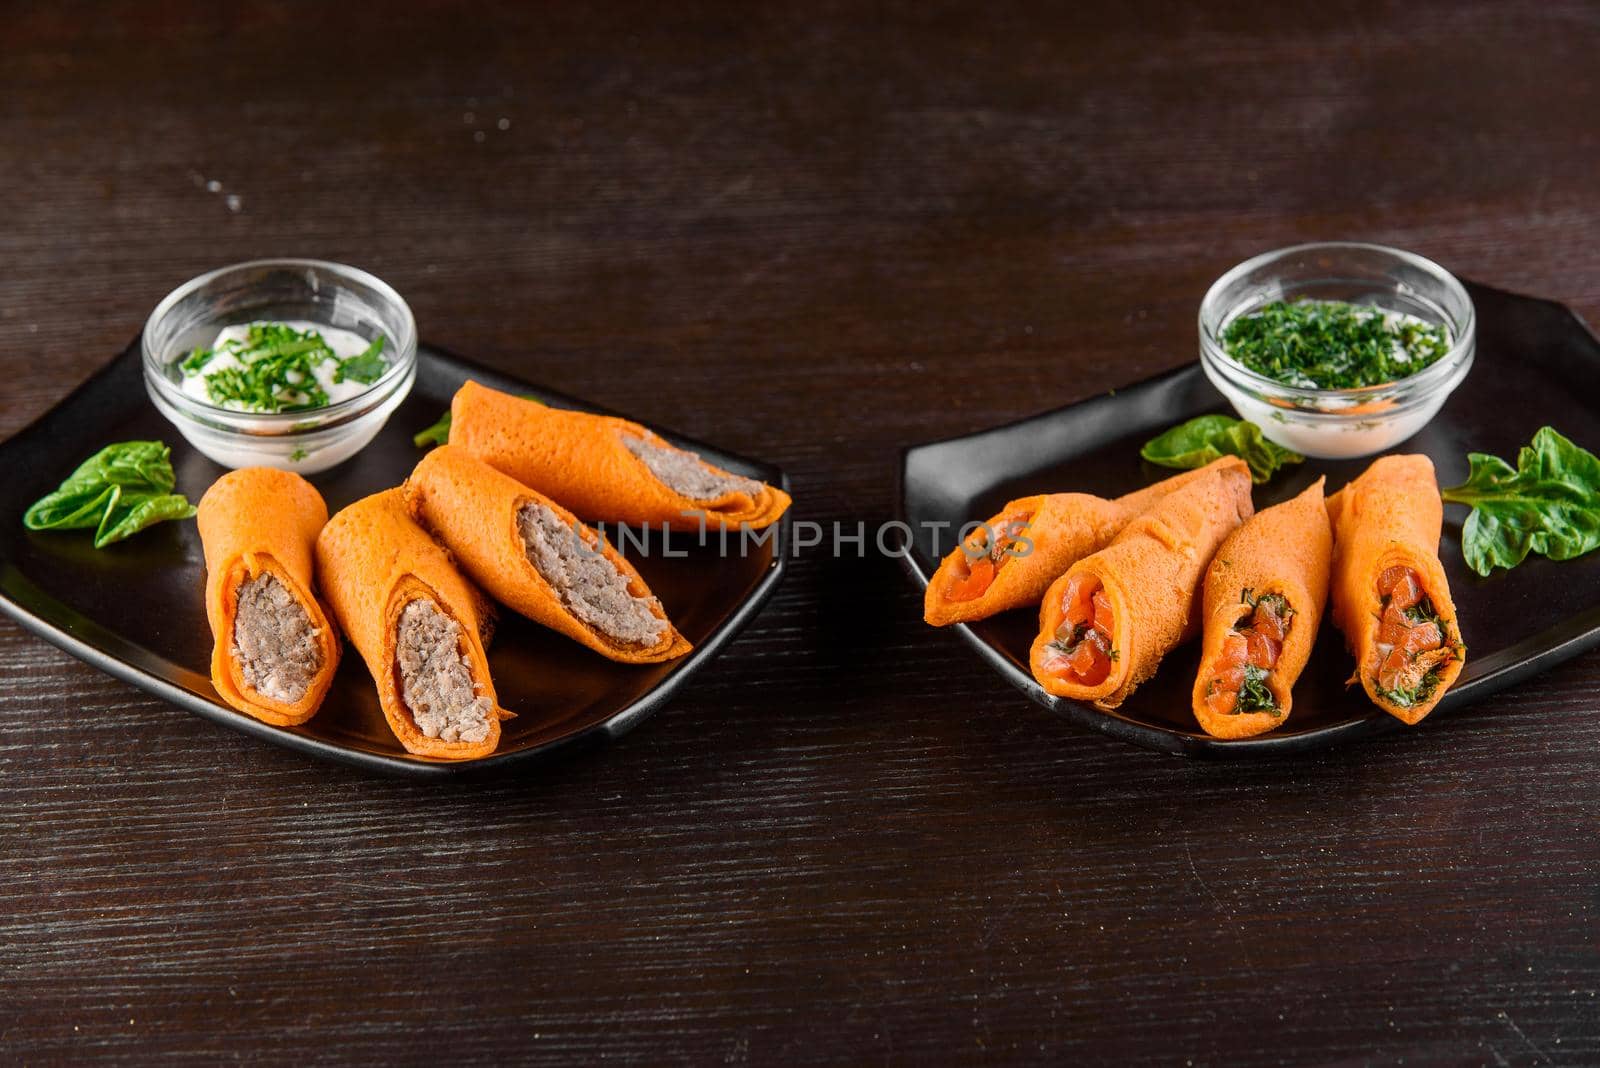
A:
(1339, 423)
(328, 293)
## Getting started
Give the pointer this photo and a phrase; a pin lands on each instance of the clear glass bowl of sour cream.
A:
(347, 306)
(1339, 423)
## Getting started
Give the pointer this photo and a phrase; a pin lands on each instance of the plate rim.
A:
(612, 727)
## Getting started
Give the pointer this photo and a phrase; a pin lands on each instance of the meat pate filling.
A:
(274, 641)
(436, 680)
(685, 473)
(590, 586)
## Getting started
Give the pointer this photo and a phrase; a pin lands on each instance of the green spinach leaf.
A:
(1548, 504)
(117, 492)
(135, 511)
(1210, 437)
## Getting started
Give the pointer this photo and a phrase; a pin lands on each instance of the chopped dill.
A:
(1330, 344)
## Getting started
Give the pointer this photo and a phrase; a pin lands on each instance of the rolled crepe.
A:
(606, 469)
(1031, 542)
(419, 625)
(1386, 527)
(1135, 600)
(536, 557)
(273, 654)
(1262, 603)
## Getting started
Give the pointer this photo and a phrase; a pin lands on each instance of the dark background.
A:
(813, 234)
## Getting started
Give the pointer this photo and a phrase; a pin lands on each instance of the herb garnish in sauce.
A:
(1329, 344)
(274, 368)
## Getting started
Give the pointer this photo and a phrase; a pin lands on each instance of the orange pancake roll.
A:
(1261, 605)
(419, 625)
(1390, 595)
(1105, 625)
(606, 469)
(274, 654)
(536, 557)
(1014, 557)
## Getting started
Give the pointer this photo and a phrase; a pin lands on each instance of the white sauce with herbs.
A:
(345, 344)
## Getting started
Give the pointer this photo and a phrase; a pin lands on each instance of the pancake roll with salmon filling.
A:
(274, 653)
(606, 469)
(1009, 561)
(1390, 595)
(1261, 606)
(534, 556)
(1106, 624)
(418, 623)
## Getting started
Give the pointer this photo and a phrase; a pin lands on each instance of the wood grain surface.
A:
(815, 234)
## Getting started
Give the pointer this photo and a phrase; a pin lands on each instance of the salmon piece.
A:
(1393, 625)
(972, 585)
(1235, 650)
(1389, 578)
(1393, 669)
(1090, 660)
(1221, 700)
(1077, 604)
(1231, 661)
(1402, 671)
(1262, 651)
(1421, 638)
(1102, 612)
(1269, 624)
(1400, 585)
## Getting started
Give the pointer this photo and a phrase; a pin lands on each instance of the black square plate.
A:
(136, 610)
(1537, 364)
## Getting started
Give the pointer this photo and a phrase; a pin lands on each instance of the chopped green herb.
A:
(439, 432)
(117, 492)
(1068, 636)
(436, 434)
(1210, 437)
(277, 369)
(196, 360)
(297, 455)
(1406, 696)
(1329, 344)
(1423, 612)
(1254, 696)
(1548, 504)
(366, 368)
(1275, 601)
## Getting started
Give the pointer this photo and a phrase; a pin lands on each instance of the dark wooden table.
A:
(812, 236)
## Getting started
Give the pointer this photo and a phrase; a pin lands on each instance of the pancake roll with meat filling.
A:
(1106, 624)
(606, 469)
(1390, 595)
(1009, 561)
(534, 556)
(1262, 603)
(274, 654)
(417, 622)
